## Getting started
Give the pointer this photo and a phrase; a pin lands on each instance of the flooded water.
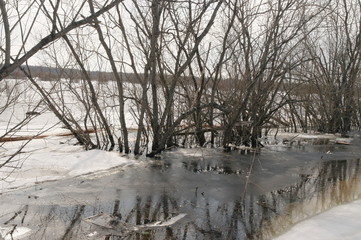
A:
(210, 193)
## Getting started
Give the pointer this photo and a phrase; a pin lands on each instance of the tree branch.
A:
(6, 70)
(7, 32)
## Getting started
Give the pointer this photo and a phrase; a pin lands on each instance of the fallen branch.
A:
(23, 138)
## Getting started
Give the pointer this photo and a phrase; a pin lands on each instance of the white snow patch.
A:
(46, 160)
(11, 233)
(341, 222)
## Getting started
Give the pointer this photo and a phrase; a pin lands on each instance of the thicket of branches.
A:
(213, 72)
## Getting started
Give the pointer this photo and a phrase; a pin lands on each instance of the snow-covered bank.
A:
(50, 155)
(341, 222)
(47, 159)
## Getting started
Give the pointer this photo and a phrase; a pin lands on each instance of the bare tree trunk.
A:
(143, 105)
(93, 96)
(118, 79)
(143, 81)
(156, 10)
(7, 33)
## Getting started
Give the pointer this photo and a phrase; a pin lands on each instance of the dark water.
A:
(235, 195)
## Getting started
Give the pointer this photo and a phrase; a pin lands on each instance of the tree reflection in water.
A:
(255, 216)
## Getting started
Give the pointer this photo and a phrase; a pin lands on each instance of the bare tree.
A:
(118, 78)
(335, 50)
(261, 56)
(196, 64)
(54, 34)
(59, 25)
(166, 41)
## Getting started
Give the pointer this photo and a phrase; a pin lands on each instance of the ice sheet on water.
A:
(113, 222)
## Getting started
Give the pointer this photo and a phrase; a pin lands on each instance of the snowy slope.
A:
(341, 222)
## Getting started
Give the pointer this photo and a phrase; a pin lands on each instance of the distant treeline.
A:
(52, 74)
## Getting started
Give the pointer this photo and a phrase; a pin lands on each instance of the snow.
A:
(47, 160)
(11, 233)
(341, 222)
(52, 157)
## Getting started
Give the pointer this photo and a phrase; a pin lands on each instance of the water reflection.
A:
(251, 216)
(203, 167)
(332, 183)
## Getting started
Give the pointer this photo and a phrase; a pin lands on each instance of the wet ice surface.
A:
(219, 195)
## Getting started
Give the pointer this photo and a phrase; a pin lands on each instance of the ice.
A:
(168, 222)
(111, 222)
